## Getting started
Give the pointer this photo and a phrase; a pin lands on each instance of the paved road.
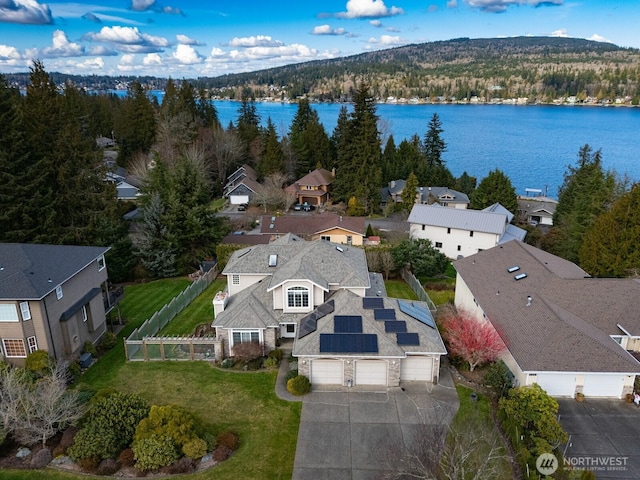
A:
(343, 433)
(604, 434)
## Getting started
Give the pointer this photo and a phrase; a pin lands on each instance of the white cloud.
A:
(142, 5)
(103, 50)
(368, 9)
(9, 53)
(90, 64)
(25, 11)
(129, 39)
(184, 40)
(499, 6)
(152, 59)
(386, 40)
(255, 41)
(62, 47)
(452, 3)
(375, 23)
(599, 38)
(187, 55)
(327, 30)
(561, 32)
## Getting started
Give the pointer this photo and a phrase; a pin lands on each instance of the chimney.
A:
(219, 302)
(333, 172)
(340, 217)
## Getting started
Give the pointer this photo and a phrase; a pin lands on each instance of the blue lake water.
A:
(532, 144)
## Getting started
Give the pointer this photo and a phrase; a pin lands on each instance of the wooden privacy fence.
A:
(142, 345)
(417, 287)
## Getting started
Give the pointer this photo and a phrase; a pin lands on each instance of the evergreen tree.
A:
(390, 161)
(206, 112)
(309, 140)
(496, 187)
(135, 129)
(465, 183)
(410, 160)
(409, 192)
(434, 145)
(272, 158)
(248, 127)
(610, 246)
(586, 192)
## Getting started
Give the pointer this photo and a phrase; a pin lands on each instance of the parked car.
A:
(307, 208)
(297, 207)
(242, 207)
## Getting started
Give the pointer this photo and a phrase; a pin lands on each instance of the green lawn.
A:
(199, 311)
(244, 402)
(399, 289)
(480, 409)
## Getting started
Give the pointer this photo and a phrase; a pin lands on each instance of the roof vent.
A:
(520, 276)
(340, 249)
(273, 260)
(529, 300)
(515, 268)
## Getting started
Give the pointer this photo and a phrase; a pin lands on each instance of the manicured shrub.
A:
(109, 427)
(247, 351)
(299, 385)
(291, 374)
(108, 341)
(89, 347)
(195, 448)
(277, 354)
(271, 363)
(74, 370)
(497, 377)
(39, 363)
(108, 466)
(221, 453)
(154, 452)
(126, 458)
(227, 363)
(41, 458)
(229, 440)
(171, 421)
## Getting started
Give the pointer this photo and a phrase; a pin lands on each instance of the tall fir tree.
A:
(496, 187)
(434, 145)
(309, 140)
(248, 128)
(409, 192)
(390, 161)
(135, 128)
(272, 159)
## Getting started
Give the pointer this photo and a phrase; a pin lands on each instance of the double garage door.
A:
(595, 385)
(331, 372)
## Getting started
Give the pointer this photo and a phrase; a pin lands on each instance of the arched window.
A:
(297, 297)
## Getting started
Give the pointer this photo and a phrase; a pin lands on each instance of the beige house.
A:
(313, 188)
(461, 232)
(320, 294)
(53, 298)
(325, 226)
(563, 330)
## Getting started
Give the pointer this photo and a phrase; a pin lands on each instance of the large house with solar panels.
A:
(320, 294)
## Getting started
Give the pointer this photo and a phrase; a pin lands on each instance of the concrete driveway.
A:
(343, 432)
(604, 436)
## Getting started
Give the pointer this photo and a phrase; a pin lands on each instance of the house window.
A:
(235, 279)
(423, 226)
(14, 347)
(33, 344)
(325, 237)
(438, 244)
(24, 309)
(84, 313)
(471, 233)
(444, 204)
(101, 263)
(297, 297)
(59, 292)
(448, 230)
(246, 336)
(8, 313)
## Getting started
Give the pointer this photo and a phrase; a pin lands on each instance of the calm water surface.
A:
(533, 145)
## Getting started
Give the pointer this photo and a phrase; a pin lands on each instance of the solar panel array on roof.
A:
(372, 302)
(348, 343)
(417, 311)
(404, 338)
(384, 314)
(309, 323)
(347, 324)
(395, 326)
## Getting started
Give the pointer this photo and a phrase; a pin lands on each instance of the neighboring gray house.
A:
(53, 298)
(315, 293)
(241, 185)
(461, 232)
(537, 210)
(443, 196)
(125, 185)
(563, 330)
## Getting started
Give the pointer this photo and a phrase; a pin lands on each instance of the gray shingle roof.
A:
(462, 219)
(31, 271)
(348, 303)
(567, 326)
(319, 261)
(442, 194)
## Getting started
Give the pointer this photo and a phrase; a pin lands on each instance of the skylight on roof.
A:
(520, 276)
(515, 268)
(273, 260)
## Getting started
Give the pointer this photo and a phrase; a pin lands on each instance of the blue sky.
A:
(187, 39)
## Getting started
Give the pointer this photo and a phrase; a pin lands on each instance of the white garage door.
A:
(238, 199)
(603, 385)
(371, 372)
(558, 384)
(326, 372)
(416, 368)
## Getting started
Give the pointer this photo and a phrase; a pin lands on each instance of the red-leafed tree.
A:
(475, 341)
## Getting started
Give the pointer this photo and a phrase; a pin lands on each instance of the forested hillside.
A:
(539, 68)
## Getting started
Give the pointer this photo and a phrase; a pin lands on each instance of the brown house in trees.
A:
(313, 188)
(326, 226)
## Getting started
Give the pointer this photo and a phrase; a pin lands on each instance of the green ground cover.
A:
(399, 289)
